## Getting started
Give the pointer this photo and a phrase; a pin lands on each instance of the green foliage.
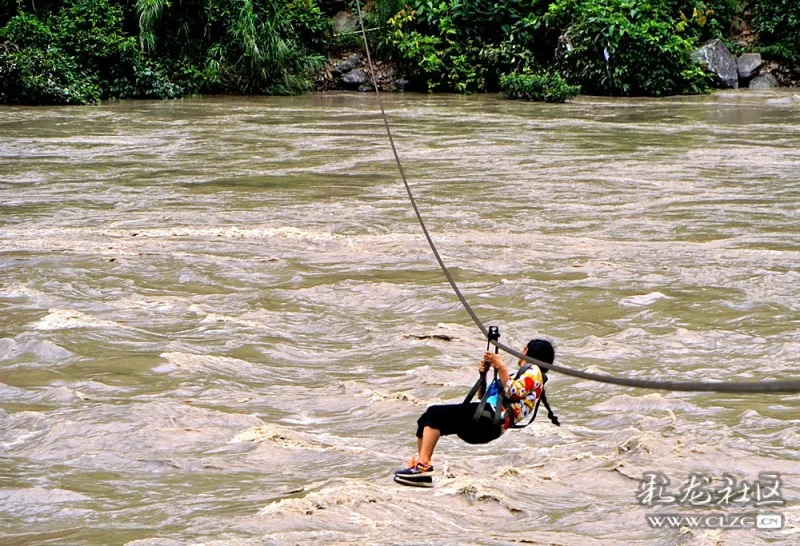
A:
(386, 9)
(45, 62)
(77, 55)
(26, 30)
(537, 87)
(465, 45)
(83, 51)
(377, 15)
(149, 12)
(43, 76)
(307, 25)
(705, 19)
(778, 25)
(608, 47)
(625, 47)
(424, 54)
(238, 46)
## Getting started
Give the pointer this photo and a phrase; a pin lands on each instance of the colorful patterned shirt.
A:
(522, 394)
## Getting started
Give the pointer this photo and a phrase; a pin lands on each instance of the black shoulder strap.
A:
(542, 399)
(550, 414)
(522, 370)
(535, 411)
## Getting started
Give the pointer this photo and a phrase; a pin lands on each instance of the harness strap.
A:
(524, 369)
(502, 402)
(479, 412)
(550, 414)
(498, 406)
(493, 334)
(535, 411)
(481, 382)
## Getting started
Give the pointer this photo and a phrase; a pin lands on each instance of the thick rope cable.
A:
(784, 386)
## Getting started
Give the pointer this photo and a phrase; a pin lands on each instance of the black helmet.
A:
(542, 350)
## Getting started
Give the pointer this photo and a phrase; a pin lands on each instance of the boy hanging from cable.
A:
(479, 422)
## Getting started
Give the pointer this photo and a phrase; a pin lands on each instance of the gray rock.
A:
(764, 82)
(355, 77)
(352, 62)
(342, 68)
(364, 88)
(718, 60)
(748, 64)
(345, 21)
(401, 84)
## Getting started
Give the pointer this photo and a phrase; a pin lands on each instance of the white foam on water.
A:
(38, 495)
(643, 300)
(46, 350)
(8, 348)
(646, 403)
(22, 290)
(223, 366)
(280, 436)
(64, 319)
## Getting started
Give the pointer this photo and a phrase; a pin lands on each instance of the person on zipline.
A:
(521, 394)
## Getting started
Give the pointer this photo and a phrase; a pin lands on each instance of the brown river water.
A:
(220, 320)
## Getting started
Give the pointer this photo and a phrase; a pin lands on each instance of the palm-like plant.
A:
(245, 46)
(149, 12)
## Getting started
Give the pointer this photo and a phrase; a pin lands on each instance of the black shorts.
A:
(457, 419)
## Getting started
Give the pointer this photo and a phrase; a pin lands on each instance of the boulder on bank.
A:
(716, 58)
(355, 78)
(765, 81)
(352, 62)
(350, 73)
(748, 64)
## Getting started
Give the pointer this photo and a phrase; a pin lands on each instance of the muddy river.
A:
(220, 320)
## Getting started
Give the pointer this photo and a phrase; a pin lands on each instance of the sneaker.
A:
(427, 481)
(415, 470)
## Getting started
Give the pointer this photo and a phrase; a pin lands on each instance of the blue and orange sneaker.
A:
(415, 471)
(416, 482)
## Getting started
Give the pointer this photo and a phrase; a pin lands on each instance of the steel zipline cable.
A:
(782, 386)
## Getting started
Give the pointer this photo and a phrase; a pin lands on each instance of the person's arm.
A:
(497, 363)
(515, 389)
(483, 368)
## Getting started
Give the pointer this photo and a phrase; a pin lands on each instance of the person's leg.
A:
(427, 444)
(437, 421)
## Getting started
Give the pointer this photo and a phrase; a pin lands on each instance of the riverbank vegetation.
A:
(84, 51)
(537, 87)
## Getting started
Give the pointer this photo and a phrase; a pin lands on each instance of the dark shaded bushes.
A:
(778, 25)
